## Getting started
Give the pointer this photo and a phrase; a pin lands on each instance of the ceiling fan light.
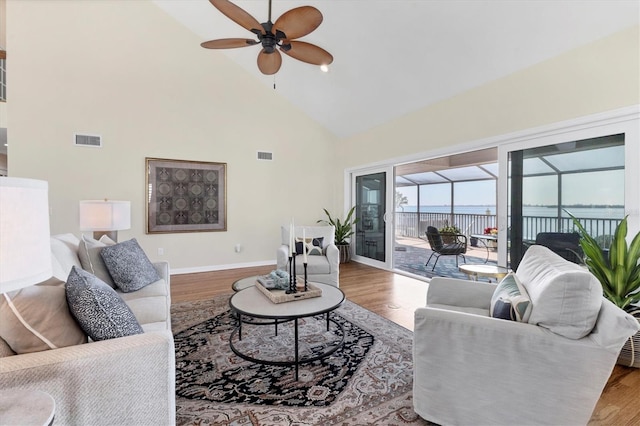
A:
(324, 68)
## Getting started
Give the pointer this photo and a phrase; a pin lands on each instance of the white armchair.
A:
(471, 368)
(323, 268)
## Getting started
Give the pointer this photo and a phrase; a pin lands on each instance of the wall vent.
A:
(88, 140)
(268, 156)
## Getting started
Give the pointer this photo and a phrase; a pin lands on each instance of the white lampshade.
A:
(25, 250)
(105, 215)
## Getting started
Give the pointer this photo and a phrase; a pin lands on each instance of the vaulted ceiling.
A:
(396, 56)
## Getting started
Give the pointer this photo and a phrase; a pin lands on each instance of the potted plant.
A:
(493, 231)
(619, 273)
(343, 232)
(448, 233)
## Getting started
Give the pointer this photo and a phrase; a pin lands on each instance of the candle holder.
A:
(305, 276)
(292, 274)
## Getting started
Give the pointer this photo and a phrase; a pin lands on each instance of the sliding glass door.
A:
(588, 173)
(584, 178)
(371, 195)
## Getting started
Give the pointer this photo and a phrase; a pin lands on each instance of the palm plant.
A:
(401, 200)
(344, 229)
(619, 272)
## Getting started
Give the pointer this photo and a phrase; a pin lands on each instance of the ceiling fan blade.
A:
(298, 22)
(309, 53)
(269, 63)
(228, 43)
(238, 15)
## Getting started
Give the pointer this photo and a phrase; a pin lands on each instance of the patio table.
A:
(485, 238)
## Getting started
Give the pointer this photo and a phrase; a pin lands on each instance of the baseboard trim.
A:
(211, 268)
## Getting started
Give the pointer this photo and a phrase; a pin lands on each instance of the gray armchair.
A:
(321, 268)
(471, 368)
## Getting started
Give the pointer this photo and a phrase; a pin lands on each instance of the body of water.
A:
(581, 212)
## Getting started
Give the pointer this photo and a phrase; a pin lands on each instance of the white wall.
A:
(127, 71)
(601, 76)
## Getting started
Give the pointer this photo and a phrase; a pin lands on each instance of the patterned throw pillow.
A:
(99, 310)
(129, 266)
(510, 300)
(314, 245)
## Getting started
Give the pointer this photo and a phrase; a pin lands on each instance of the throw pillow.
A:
(37, 318)
(566, 297)
(90, 259)
(510, 300)
(314, 246)
(99, 310)
(129, 266)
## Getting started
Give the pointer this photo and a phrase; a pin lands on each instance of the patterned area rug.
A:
(413, 259)
(367, 381)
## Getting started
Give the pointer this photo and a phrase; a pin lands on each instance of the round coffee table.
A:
(489, 271)
(250, 304)
(243, 283)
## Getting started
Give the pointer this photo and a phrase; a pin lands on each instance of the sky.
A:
(469, 193)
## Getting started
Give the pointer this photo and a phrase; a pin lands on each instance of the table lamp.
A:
(25, 250)
(105, 217)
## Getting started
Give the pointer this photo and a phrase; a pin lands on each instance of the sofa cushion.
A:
(5, 349)
(89, 251)
(64, 255)
(129, 266)
(566, 297)
(37, 318)
(315, 265)
(510, 300)
(101, 313)
(149, 304)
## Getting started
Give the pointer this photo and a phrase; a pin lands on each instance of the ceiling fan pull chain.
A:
(274, 82)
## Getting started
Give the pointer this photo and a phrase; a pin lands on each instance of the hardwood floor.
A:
(395, 297)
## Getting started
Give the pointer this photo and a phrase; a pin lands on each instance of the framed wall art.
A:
(186, 196)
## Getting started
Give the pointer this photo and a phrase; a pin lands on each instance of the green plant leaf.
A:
(619, 274)
(343, 229)
(633, 255)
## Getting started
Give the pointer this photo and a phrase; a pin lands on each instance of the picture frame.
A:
(185, 196)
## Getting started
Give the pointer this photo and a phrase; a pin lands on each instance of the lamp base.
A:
(110, 234)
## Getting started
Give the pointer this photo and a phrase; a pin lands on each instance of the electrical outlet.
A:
(238, 248)
(160, 251)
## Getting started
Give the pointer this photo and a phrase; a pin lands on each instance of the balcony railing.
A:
(411, 224)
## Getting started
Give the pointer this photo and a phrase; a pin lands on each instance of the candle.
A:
(293, 235)
(291, 238)
(304, 246)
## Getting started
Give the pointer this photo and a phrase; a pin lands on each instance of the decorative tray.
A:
(280, 296)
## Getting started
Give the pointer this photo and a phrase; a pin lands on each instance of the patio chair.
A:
(457, 248)
(565, 244)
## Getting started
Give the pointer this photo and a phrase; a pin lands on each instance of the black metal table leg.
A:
(296, 346)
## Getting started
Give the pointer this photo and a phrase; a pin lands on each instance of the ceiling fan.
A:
(281, 35)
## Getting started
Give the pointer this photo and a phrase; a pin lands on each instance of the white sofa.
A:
(323, 268)
(126, 380)
(473, 369)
